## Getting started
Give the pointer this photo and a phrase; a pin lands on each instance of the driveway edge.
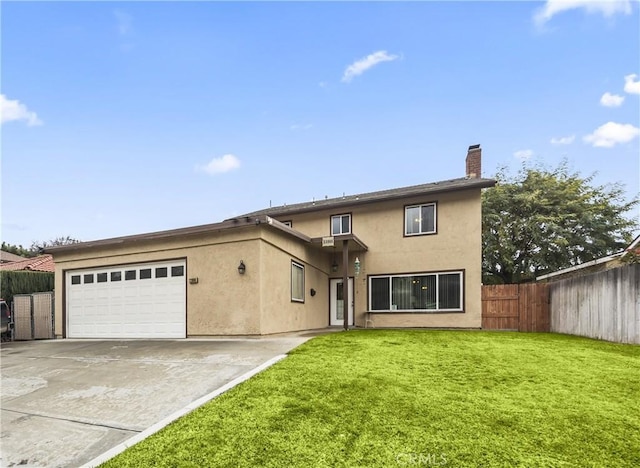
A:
(178, 414)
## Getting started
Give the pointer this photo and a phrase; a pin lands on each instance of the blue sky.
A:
(124, 118)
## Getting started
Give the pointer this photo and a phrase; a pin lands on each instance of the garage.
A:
(127, 301)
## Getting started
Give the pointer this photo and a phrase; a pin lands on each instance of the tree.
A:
(16, 249)
(542, 220)
(38, 246)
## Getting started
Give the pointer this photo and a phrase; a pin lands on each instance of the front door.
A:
(336, 292)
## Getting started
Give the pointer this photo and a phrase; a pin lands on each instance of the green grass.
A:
(419, 398)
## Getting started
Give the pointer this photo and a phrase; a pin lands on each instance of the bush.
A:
(24, 282)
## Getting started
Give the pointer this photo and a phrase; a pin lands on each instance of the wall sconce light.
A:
(356, 266)
(313, 292)
(242, 268)
(334, 266)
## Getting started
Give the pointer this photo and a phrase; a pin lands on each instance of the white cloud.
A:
(11, 110)
(323, 84)
(607, 8)
(523, 155)
(301, 126)
(360, 66)
(124, 22)
(611, 134)
(567, 140)
(631, 84)
(220, 165)
(611, 100)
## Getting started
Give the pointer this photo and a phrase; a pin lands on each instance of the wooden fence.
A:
(521, 307)
(603, 305)
(33, 316)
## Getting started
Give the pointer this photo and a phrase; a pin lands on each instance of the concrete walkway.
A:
(64, 402)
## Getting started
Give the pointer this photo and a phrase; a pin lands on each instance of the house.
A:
(8, 257)
(40, 263)
(410, 257)
(599, 264)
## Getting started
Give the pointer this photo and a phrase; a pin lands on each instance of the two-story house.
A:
(410, 257)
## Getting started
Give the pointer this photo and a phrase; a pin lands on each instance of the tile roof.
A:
(463, 183)
(40, 263)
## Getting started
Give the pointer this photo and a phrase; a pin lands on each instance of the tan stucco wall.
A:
(219, 304)
(278, 312)
(259, 302)
(456, 246)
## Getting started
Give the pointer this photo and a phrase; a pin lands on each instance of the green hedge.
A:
(24, 282)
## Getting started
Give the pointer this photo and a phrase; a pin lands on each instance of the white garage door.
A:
(128, 301)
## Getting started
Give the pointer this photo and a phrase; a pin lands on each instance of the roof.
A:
(264, 216)
(244, 221)
(40, 263)
(464, 183)
(633, 246)
(9, 257)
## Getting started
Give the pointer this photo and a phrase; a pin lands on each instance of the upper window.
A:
(428, 292)
(297, 282)
(420, 219)
(340, 224)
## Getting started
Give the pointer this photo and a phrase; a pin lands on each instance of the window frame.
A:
(341, 215)
(299, 266)
(420, 205)
(437, 310)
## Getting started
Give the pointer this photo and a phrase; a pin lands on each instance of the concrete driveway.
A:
(64, 402)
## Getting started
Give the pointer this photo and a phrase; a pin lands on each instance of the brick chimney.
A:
(474, 161)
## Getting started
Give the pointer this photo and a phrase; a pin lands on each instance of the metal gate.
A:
(33, 316)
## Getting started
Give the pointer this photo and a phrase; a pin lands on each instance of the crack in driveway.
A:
(87, 423)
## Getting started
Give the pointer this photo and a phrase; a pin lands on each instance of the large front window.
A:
(426, 292)
(420, 219)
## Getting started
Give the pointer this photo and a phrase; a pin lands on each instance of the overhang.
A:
(353, 243)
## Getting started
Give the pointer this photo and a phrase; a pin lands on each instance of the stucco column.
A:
(345, 282)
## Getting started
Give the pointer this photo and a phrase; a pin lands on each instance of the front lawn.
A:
(419, 398)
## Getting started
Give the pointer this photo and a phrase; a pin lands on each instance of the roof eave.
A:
(235, 223)
(320, 206)
(159, 235)
(588, 264)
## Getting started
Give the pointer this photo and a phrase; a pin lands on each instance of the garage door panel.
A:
(130, 301)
